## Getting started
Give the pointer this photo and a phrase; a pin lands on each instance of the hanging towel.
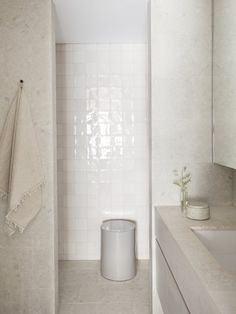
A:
(21, 176)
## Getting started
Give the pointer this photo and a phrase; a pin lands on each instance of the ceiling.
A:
(101, 21)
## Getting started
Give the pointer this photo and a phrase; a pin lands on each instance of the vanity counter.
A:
(205, 286)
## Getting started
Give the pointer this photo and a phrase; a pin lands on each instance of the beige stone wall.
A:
(181, 53)
(181, 44)
(27, 261)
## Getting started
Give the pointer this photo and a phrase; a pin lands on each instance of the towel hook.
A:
(21, 83)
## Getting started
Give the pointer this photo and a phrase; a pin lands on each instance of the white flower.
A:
(183, 180)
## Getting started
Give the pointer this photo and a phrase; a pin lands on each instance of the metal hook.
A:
(21, 83)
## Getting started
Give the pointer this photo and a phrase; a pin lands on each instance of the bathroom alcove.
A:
(102, 123)
(181, 89)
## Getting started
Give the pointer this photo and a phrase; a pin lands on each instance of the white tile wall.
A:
(103, 151)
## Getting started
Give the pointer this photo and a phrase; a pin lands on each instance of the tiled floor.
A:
(82, 290)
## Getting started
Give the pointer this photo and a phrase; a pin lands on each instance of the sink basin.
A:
(221, 244)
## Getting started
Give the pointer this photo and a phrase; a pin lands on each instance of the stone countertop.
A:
(219, 284)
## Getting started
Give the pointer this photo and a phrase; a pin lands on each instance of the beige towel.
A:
(21, 177)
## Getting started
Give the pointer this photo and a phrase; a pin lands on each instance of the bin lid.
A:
(118, 225)
(197, 205)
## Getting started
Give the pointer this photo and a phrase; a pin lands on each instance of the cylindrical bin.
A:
(118, 260)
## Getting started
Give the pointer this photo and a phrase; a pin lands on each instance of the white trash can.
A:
(118, 260)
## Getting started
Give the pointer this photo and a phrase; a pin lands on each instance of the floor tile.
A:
(83, 290)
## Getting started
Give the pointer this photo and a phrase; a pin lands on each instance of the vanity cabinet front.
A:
(170, 296)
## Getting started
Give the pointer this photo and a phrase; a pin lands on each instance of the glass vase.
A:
(183, 201)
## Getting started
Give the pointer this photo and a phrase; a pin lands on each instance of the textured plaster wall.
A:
(181, 62)
(182, 102)
(27, 261)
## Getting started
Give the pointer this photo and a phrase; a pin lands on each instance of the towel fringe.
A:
(27, 194)
(12, 226)
(3, 195)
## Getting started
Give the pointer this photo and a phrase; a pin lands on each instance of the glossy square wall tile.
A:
(103, 151)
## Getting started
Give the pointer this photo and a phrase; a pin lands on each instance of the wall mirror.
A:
(224, 82)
